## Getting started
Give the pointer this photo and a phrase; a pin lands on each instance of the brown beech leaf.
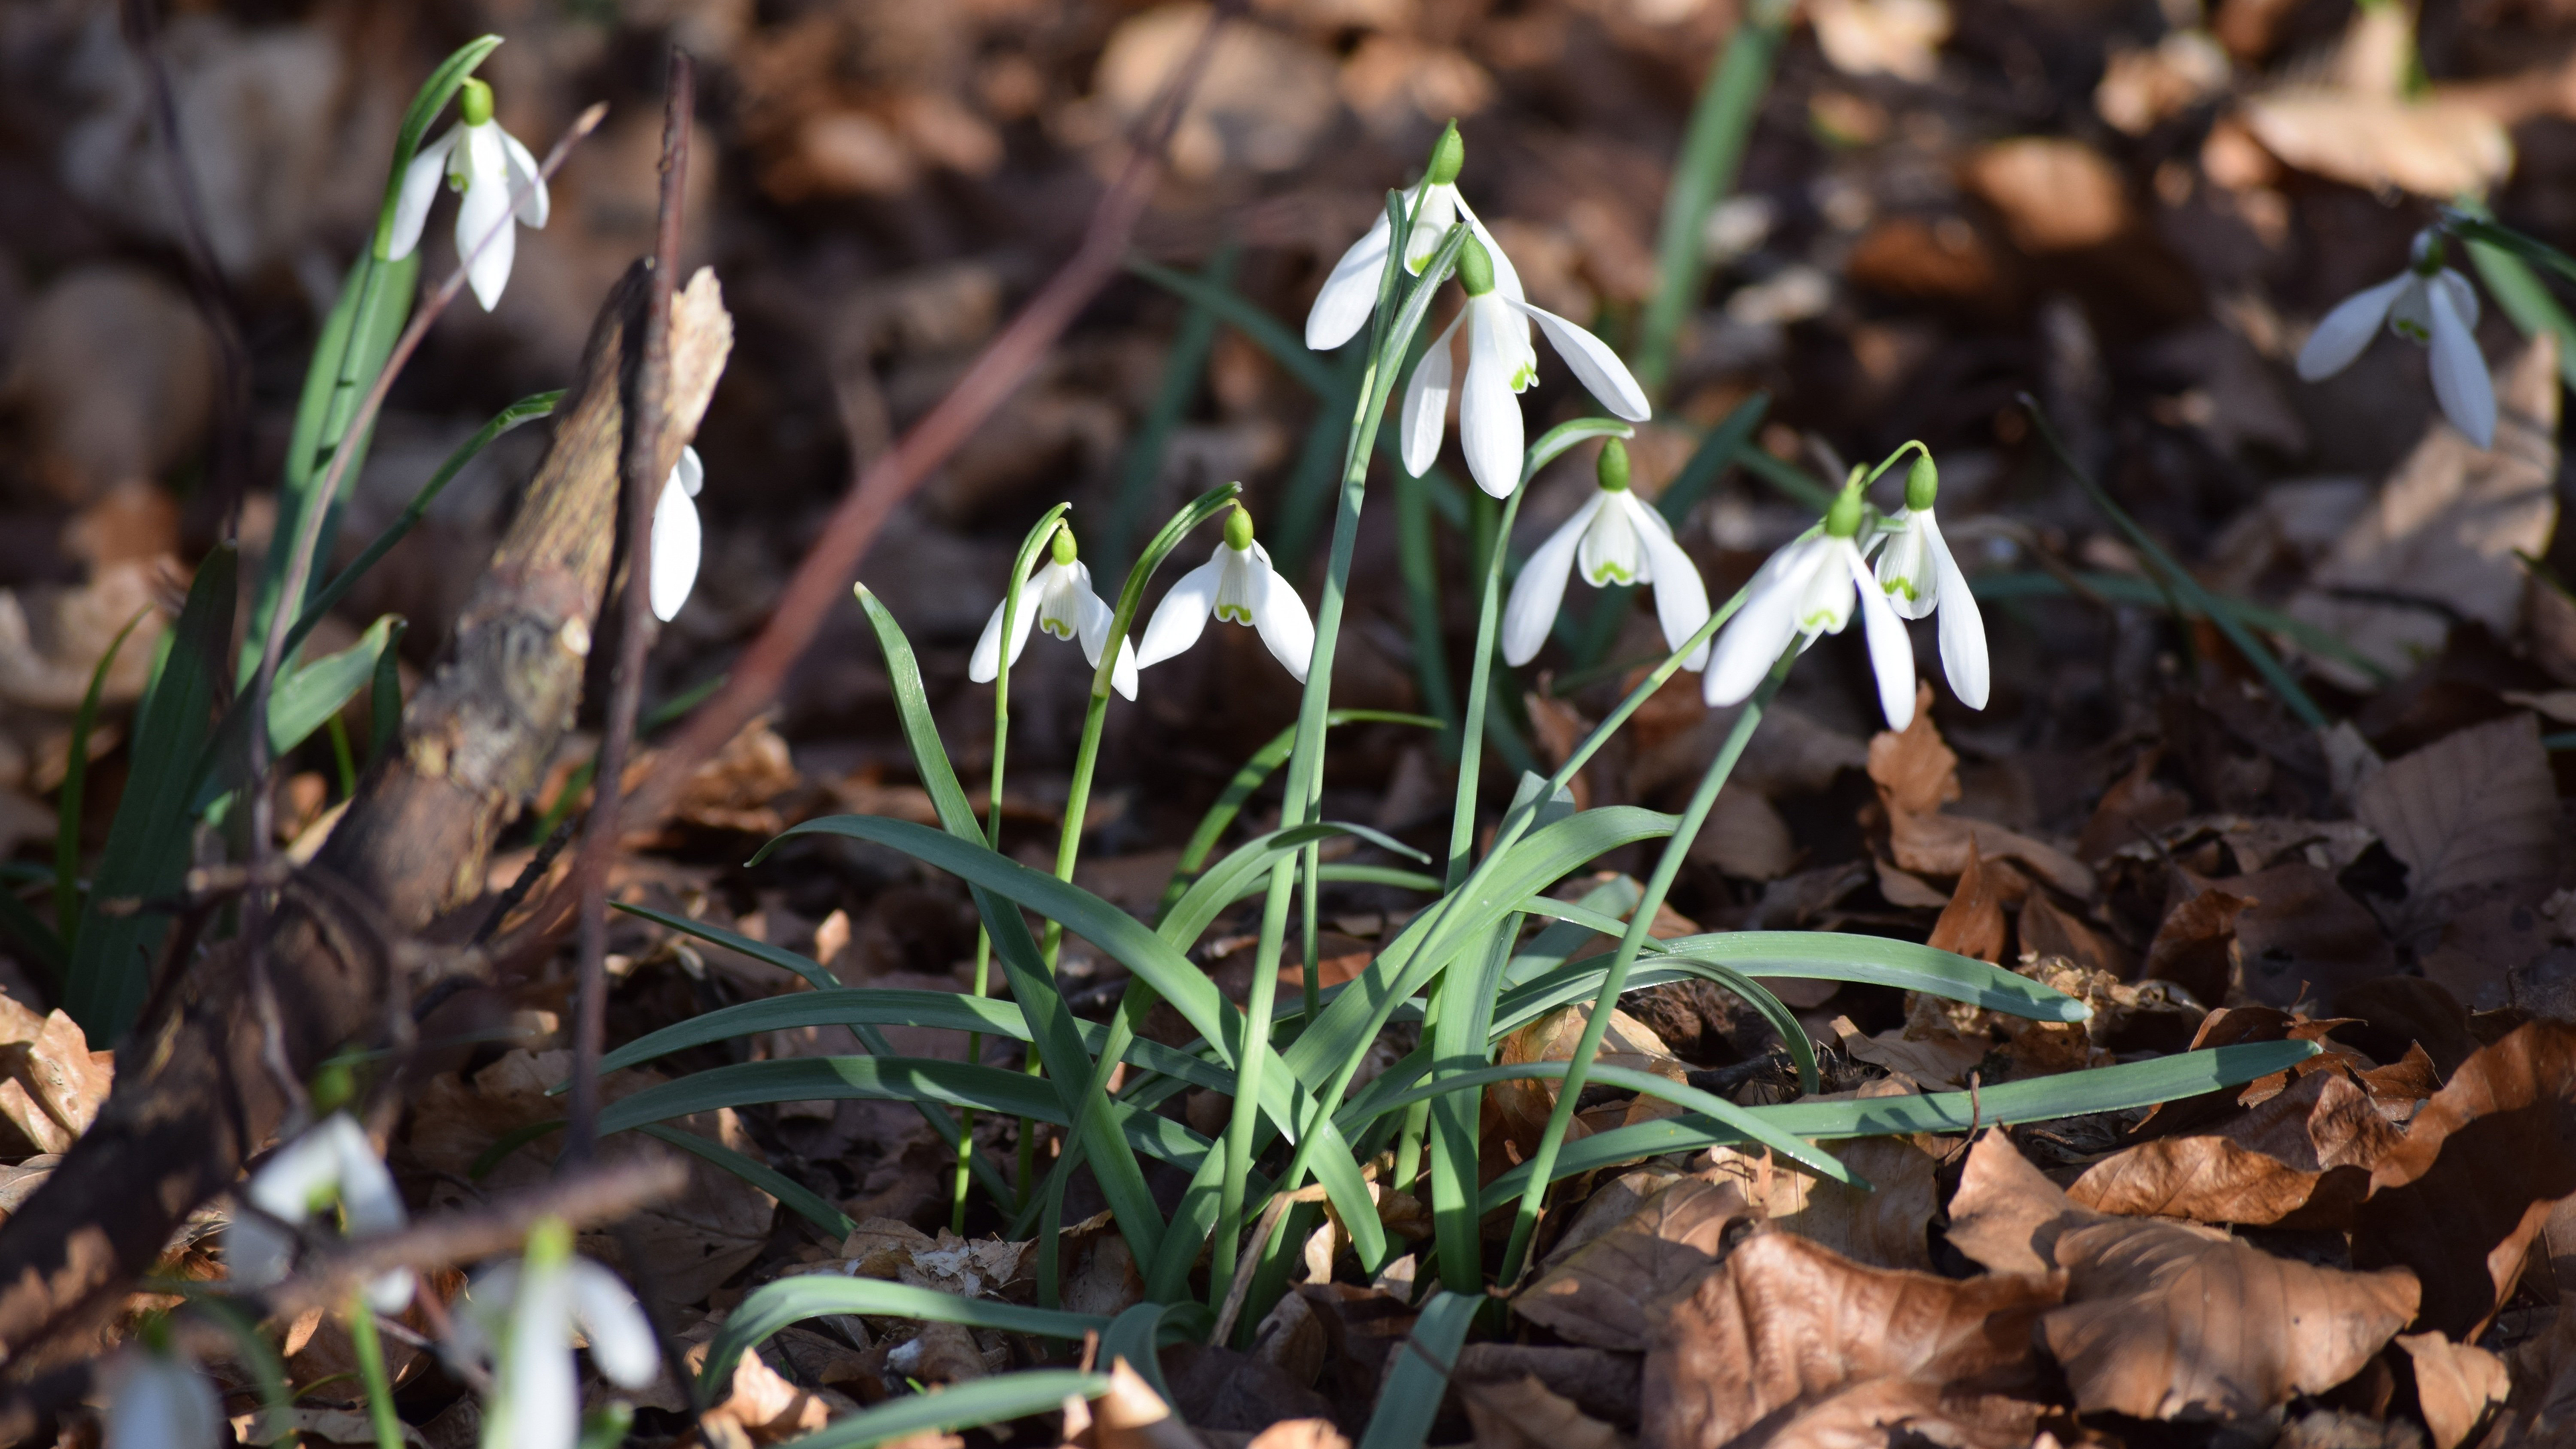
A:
(2461, 1198)
(1892, 1411)
(1914, 770)
(1972, 924)
(2455, 1384)
(1603, 1292)
(2301, 1159)
(2191, 946)
(2303, 937)
(1784, 1320)
(1882, 1227)
(2005, 1215)
(2473, 812)
(1522, 1413)
(2166, 1320)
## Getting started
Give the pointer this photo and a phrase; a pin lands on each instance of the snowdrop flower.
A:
(1805, 590)
(1057, 597)
(1921, 578)
(2428, 304)
(158, 1399)
(486, 163)
(1616, 538)
(331, 1165)
(1237, 583)
(1500, 363)
(675, 536)
(519, 1318)
(1430, 209)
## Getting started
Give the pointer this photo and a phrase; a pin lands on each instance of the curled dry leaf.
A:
(2301, 1160)
(51, 1083)
(2461, 1198)
(2194, 945)
(2455, 1385)
(1972, 924)
(1883, 1412)
(2437, 149)
(1132, 1416)
(1882, 1227)
(1604, 1293)
(1783, 1320)
(1522, 1413)
(764, 1408)
(1600, 1383)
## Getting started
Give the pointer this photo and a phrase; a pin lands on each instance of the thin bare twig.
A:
(645, 426)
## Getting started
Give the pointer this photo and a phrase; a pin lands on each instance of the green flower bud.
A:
(333, 1087)
(474, 102)
(1238, 529)
(1060, 547)
(1475, 268)
(1447, 155)
(1922, 483)
(1612, 469)
(1842, 520)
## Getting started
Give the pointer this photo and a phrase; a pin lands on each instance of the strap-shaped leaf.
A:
(796, 1196)
(774, 1306)
(974, 1405)
(1247, 866)
(1419, 1378)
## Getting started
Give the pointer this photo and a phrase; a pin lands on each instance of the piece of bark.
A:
(196, 1101)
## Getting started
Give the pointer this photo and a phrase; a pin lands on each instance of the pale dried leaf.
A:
(2455, 1385)
(1882, 1227)
(2472, 812)
(2432, 148)
(1522, 1413)
(1602, 1293)
(1905, 1411)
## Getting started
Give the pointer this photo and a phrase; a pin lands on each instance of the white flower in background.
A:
(2428, 304)
(1921, 578)
(157, 1398)
(487, 164)
(1430, 208)
(1615, 538)
(1805, 590)
(332, 1165)
(675, 536)
(1238, 584)
(1501, 363)
(518, 1319)
(1057, 598)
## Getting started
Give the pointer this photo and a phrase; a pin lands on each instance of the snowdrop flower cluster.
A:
(1058, 598)
(1237, 583)
(1922, 579)
(157, 1397)
(2430, 305)
(518, 1320)
(675, 537)
(1614, 538)
(497, 177)
(332, 1165)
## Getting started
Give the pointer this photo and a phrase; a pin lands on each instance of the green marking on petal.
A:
(1234, 613)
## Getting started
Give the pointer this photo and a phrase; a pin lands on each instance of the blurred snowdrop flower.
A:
(2428, 304)
(1237, 584)
(1057, 597)
(487, 164)
(1805, 590)
(675, 536)
(1921, 579)
(1614, 538)
(1501, 363)
(332, 1165)
(518, 1319)
(1430, 208)
(158, 1399)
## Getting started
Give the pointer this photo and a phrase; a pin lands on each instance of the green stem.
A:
(370, 1349)
(1462, 819)
(1640, 922)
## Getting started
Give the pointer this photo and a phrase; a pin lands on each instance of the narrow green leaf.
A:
(1268, 758)
(774, 1306)
(973, 1405)
(1247, 866)
(67, 809)
(1139, 1333)
(1418, 1379)
(796, 1196)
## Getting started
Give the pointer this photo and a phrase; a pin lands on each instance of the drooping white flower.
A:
(1237, 583)
(496, 175)
(1501, 363)
(1614, 538)
(1920, 578)
(2432, 306)
(518, 1318)
(1805, 590)
(1430, 209)
(157, 1398)
(676, 537)
(332, 1165)
(1057, 598)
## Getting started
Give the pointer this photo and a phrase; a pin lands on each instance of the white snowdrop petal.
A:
(536, 1402)
(2460, 382)
(257, 1252)
(985, 663)
(690, 470)
(1530, 613)
(1903, 568)
(2349, 328)
(1122, 675)
(1961, 627)
(296, 1174)
(1753, 640)
(419, 188)
(621, 1341)
(1599, 368)
(162, 1402)
(1280, 618)
(485, 233)
(1489, 415)
(1681, 597)
(676, 543)
(1350, 293)
(2464, 298)
(1425, 414)
(367, 1192)
(1182, 616)
(1891, 651)
(527, 183)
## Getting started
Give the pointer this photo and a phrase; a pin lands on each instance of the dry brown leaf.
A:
(1601, 1383)
(1882, 1227)
(2432, 148)
(1897, 1411)
(1972, 924)
(1939, 844)
(2005, 1215)
(1913, 768)
(764, 1408)
(1935, 1058)
(886, 1248)
(2055, 194)
(1132, 1416)
(2193, 946)
(2472, 814)
(1517, 1111)
(2461, 1198)
(1602, 1293)
(2304, 938)
(1897, 37)
(2446, 527)
(1745, 837)
(51, 1083)
(1522, 1413)
(2455, 1385)
(1300, 1434)
(1784, 1320)
(2301, 1159)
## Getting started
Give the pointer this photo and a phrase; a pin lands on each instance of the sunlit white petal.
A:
(621, 1341)
(1350, 293)
(2464, 298)
(1092, 621)
(676, 544)
(1681, 597)
(2348, 329)
(1762, 629)
(1182, 616)
(1425, 414)
(2460, 382)
(1489, 413)
(484, 233)
(1961, 626)
(1891, 652)
(536, 1399)
(1280, 618)
(985, 663)
(419, 188)
(1531, 611)
(527, 183)
(1599, 368)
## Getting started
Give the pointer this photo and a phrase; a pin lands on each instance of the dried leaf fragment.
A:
(2455, 1384)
